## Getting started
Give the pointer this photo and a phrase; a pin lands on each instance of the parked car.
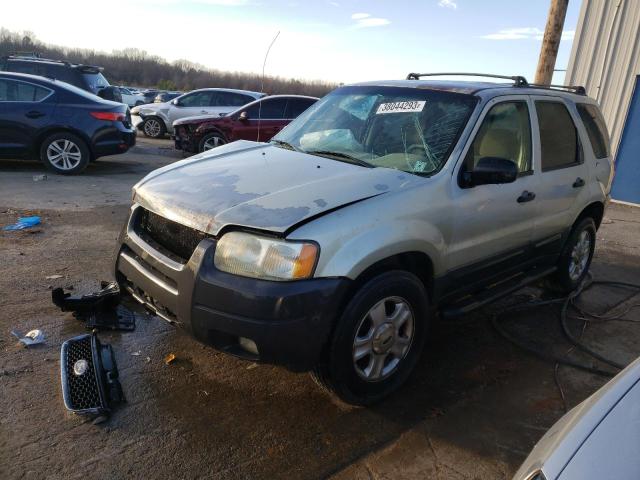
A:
(157, 119)
(149, 95)
(166, 96)
(258, 121)
(597, 439)
(130, 97)
(330, 248)
(86, 77)
(60, 124)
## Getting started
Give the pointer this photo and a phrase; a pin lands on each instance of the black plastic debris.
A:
(101, 309)
(120, 318)
(89, 376)
(104, 299)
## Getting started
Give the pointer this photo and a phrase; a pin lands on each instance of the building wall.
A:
(605, 57)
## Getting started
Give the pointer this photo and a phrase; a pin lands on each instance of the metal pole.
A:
(551, 41)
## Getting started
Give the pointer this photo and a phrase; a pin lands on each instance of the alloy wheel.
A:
(152, 127)
(64, 154)
(383, 338)
(580, 255)
(212, 142)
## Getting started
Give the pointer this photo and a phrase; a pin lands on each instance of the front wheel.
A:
(154, 127)
(211, 140)
(575, 260)
(64, 153)
(378, 339)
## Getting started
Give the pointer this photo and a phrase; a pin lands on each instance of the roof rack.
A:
(36, 56)
(518, 80)
(577, 89)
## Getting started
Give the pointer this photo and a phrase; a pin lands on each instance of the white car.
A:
(131, 97)
(156, 119)
(598, 439)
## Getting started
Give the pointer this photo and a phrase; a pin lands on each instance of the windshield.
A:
(409, 129)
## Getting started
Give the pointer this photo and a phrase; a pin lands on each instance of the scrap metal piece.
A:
(89, 376)
(105, 299)
(120, 318)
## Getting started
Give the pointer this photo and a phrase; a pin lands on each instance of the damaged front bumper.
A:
(284, 323)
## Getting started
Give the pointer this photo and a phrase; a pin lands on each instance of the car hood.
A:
(260, 186)
(198, 119)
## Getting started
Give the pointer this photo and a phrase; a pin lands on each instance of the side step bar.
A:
(475, 301)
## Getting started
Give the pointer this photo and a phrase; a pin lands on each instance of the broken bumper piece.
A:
(89, 376)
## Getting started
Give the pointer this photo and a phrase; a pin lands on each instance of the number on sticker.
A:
(397, 107)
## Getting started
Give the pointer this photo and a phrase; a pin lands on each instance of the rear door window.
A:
(596, 129)
(231, 99)
(558, 136)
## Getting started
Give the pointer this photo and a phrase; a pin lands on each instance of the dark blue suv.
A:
(62, 125)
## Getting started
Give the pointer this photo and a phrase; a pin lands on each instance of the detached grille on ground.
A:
(82, 384)
(176, 241)
(89, 375)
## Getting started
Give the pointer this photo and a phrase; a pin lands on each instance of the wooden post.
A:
(551, 41)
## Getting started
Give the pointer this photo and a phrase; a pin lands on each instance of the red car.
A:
(270, 114)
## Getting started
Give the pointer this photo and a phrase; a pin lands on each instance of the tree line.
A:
(135, 67)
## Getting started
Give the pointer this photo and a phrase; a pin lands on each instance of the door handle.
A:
(34, 114)
(203, 111)
(578, 183)
(526, 197)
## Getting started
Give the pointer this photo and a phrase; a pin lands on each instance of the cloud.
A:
(448, 4)
(335, 4)
(524, 33)
(365, 20)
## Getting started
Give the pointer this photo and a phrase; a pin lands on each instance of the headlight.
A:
(135, 110)
(261, 257)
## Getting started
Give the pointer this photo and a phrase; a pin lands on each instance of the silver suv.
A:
(332, 247)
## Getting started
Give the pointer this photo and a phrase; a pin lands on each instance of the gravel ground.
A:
(473, 409)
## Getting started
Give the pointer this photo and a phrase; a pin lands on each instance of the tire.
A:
(154, 127)
(65, 153)
(211, 140)
(358, 381)
(575, 259)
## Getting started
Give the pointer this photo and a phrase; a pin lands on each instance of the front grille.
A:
(176, 241)
(83, 391)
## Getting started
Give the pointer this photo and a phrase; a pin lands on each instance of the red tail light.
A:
(111, 116)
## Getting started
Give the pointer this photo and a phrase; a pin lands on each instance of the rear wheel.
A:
(378, 339)
(575, 260)
(211, 140)
(64, 153)
(154, 127)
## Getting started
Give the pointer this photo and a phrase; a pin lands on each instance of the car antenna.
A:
(264, 64)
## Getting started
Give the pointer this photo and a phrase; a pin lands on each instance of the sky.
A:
(335, 40)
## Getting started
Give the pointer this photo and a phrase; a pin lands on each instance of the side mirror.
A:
(492, 170)
(175, 102)
(244, 116)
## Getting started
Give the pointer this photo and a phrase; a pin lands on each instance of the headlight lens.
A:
(261, 257)
(135, 110)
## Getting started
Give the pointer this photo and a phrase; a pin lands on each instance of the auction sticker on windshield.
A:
(397, 107)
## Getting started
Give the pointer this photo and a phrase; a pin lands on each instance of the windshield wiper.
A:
(340, 156)
(286, 145)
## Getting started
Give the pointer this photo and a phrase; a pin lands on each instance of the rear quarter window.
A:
(596, 129)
